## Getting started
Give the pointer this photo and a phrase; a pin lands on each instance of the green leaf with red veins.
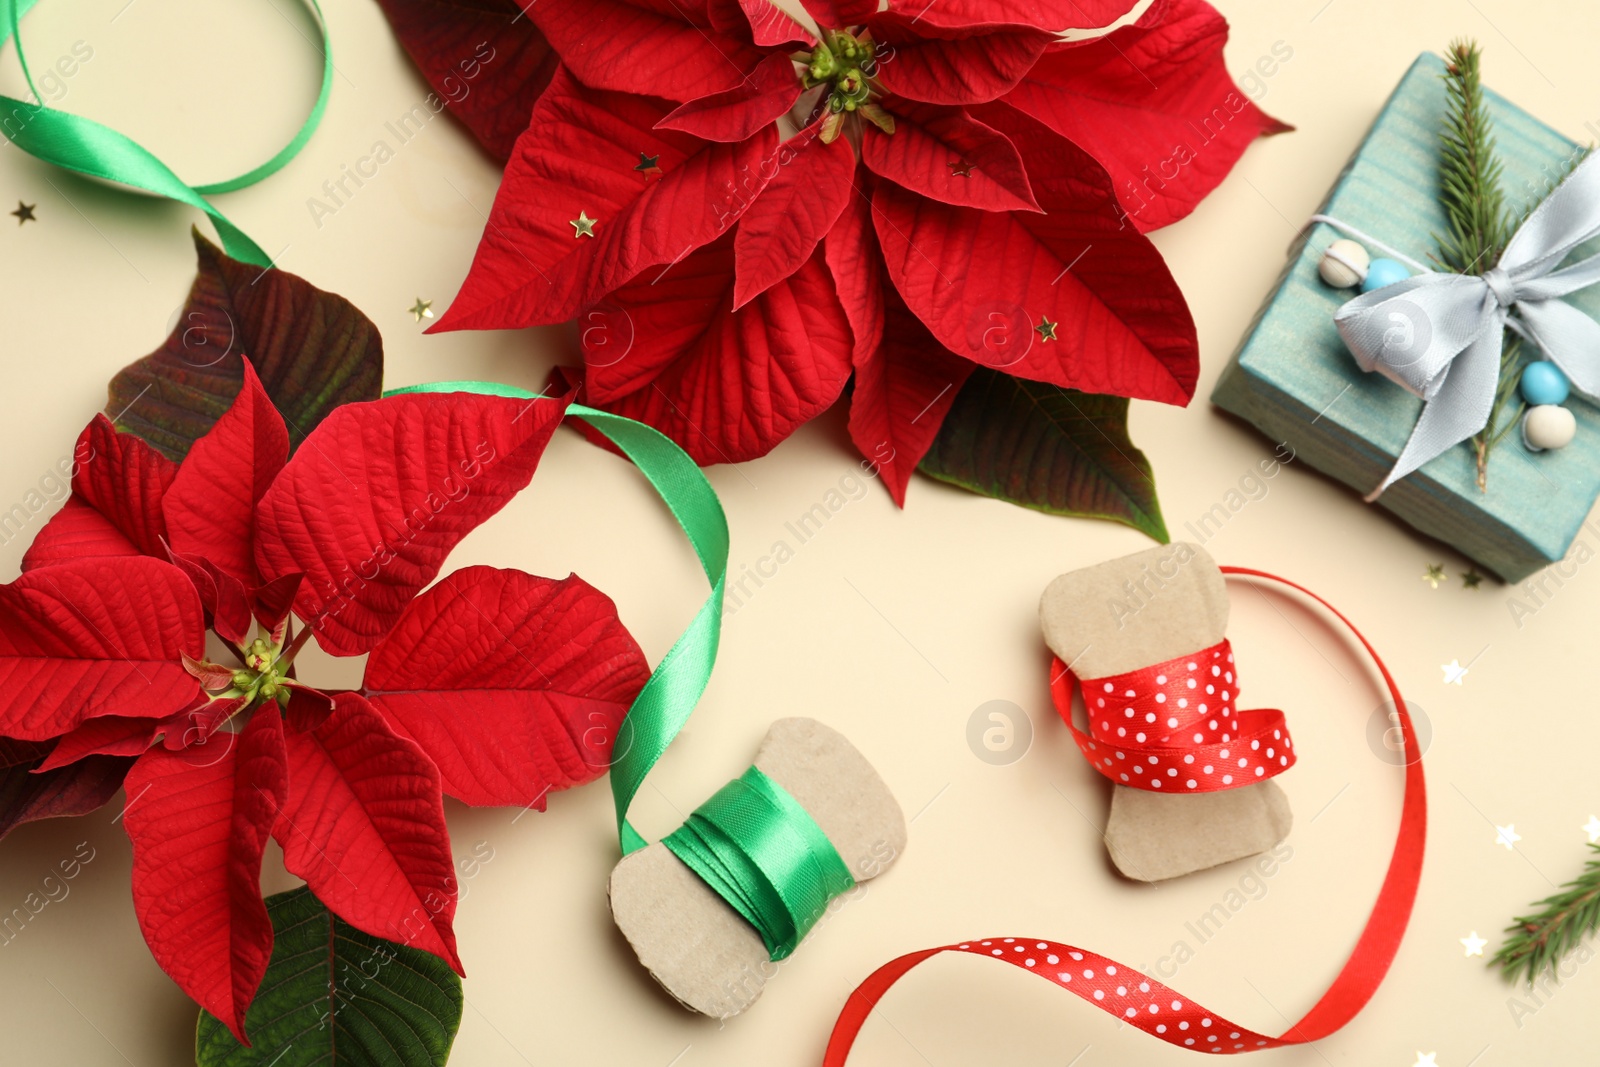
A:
(336, 997)
(1054, 450)
(312, 349)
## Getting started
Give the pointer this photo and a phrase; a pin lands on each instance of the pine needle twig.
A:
(1475, 205)
(1539, 942)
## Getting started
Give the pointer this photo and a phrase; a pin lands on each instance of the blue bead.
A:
(1543, 383)
(1382, 272)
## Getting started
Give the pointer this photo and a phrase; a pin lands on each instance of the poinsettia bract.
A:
(743, 212)
(493, 686)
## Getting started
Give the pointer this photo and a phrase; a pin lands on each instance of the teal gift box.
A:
(1293, 377)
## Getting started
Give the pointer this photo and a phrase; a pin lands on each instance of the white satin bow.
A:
(1439, 335)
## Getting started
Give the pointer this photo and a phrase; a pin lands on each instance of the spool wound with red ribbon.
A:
(1137, 998)
(1172, 727)
(1147, 635)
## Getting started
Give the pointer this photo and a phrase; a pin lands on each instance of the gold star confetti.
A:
(649, 164)
(1507, 835)
(1435, 574)
(422, 309)
(1046, 329)
(960, 168)
(582, 226)
(1473, 944)
(1471, 579)
(24, 213)
(1453, 672)
(1592, 828)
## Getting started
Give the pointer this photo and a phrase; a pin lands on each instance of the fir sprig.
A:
(1539, 942)
(1480, 225)
(1469, 171)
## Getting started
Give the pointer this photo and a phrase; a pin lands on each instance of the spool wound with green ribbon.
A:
(751, 872)
(712, 909)
(766, 856)
(88, 147)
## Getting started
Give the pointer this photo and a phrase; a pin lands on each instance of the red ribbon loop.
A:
(1155, 1008)
(1172, 727)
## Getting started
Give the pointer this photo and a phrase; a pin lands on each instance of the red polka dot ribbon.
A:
(1173, 728)
(1140, 1000)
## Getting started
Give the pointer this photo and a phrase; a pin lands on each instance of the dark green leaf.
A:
(337, 997)
(1047, 448)
(312, 350)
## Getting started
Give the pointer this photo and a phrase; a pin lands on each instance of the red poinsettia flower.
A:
(963, 188)
(493, 686)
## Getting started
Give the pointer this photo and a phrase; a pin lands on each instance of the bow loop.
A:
(1569, 338)
(1567, 218)
(1440, 335)
(1411, 331)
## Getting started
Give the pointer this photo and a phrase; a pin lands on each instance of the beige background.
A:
(893, 626)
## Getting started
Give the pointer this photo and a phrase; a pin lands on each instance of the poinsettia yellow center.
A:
(264, 670)
(846, 63)
(260, 655)
(260, 679)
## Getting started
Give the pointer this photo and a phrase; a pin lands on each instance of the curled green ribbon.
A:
(83, 145)
(766, 856)
(664, 704)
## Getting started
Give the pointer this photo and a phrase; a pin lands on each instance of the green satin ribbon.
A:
(763, 853)
(664, 704)
(751, 842)
(83, 145)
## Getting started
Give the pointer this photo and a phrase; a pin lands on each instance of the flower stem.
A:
(287, 658)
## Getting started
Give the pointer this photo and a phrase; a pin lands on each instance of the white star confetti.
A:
(1453, 672)
(1425, 1059)
(1507, 835)
(1592, 828)
(1474, 944)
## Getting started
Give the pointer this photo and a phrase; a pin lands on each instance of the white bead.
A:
(1344, 264)
(1548, 426)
